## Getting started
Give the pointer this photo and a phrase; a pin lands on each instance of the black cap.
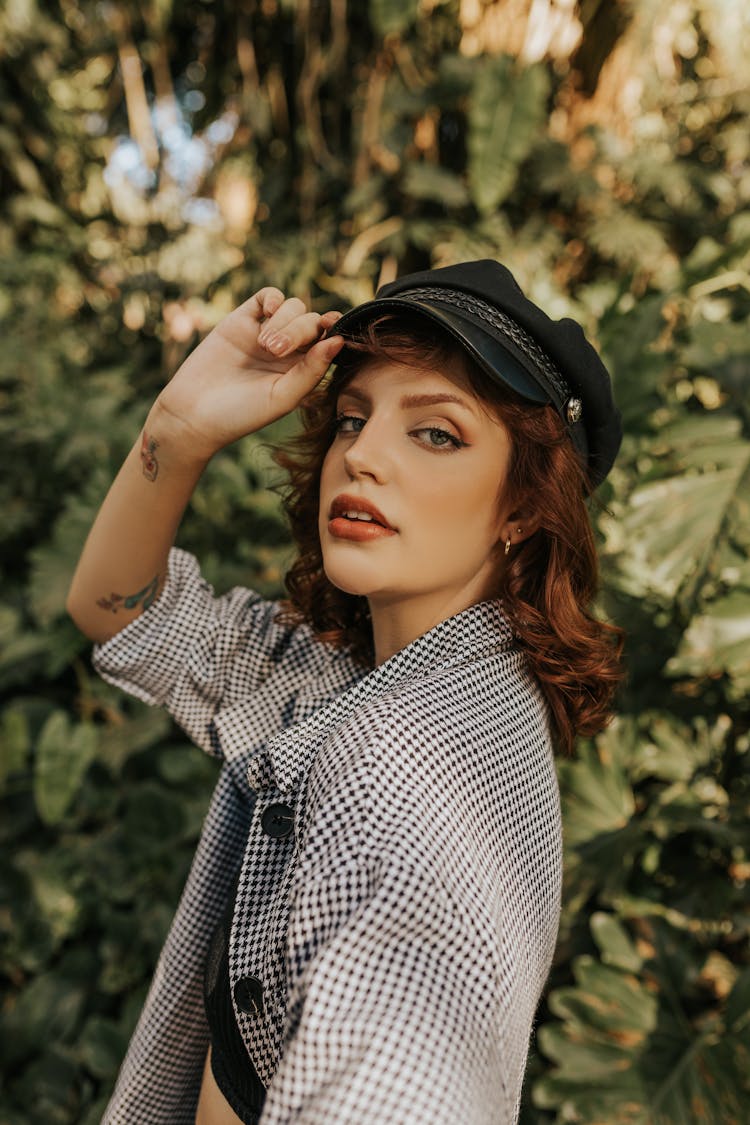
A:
(516, 344)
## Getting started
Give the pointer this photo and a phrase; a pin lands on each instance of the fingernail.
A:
(278, 343)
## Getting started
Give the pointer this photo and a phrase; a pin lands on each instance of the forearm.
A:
(230, 386)
(124, 562)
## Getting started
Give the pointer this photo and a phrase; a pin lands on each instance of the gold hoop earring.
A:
(507, 545)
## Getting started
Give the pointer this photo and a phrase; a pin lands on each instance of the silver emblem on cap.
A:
(573, 409)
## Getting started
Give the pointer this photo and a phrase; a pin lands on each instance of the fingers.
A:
(264, 303)
(314, 364)
(292, 328)
(286, 324)
(292, 385)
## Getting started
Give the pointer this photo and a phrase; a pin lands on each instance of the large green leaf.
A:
(53, 893)
(627, 1049)
(630, 240)
(668, 530)
(430, 181)
(598, 798)
(720, 349)
(64, 752)
(47, 1010)
(142, 727)
(608, 999)
(660, 745)
(15, 742)
(718, 642)
(506, 110)
(696, 1073)
(614, 943)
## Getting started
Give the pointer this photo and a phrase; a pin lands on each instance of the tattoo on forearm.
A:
(149, 462)
(143, 597)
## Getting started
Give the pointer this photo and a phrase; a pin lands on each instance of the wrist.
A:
(166, 437)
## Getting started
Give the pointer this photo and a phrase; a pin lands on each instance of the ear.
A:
(519, 525)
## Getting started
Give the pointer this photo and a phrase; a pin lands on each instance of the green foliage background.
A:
(611, 171)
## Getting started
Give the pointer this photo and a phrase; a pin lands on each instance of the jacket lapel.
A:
(476, 632)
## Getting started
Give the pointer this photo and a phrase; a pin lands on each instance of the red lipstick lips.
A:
(344, 521)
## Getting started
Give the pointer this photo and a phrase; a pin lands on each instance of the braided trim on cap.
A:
(503, 323)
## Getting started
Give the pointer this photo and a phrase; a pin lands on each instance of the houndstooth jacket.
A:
(397, 833)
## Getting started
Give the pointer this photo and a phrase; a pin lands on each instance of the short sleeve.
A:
(192, 652)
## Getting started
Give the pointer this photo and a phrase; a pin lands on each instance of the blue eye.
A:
(435, 432)
(439, 439)
(341, 419)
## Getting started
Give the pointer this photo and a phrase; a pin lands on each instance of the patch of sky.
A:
(201, 212)
(126, 168)
(185, 157)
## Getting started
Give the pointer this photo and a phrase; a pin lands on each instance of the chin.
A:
(343, 579)
(350, 576)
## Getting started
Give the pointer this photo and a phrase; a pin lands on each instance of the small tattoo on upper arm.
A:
(144, 597)
(149, 462)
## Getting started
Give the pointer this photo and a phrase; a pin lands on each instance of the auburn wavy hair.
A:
(547, 582)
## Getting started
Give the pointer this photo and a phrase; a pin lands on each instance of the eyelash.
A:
(455, 442)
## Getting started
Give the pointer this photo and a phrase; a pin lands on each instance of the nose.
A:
(366, 455)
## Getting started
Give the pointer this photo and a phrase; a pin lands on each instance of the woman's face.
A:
(418, 445)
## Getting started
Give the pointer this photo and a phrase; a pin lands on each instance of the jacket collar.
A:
(477, 632)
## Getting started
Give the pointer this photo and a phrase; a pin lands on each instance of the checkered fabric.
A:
(398, 939)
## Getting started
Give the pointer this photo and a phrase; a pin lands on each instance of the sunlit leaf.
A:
(629, 239)
(429, 181)
(598, 798)
(15, 742)
(627, 1036)
(506, 110)
(718, 642)
(669, 528)
(609, 1000)
(614, 942)
(64, 752)
(53, 895)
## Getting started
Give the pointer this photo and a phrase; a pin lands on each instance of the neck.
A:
(397, 622)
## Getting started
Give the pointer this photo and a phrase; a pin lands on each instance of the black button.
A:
(277, 821)
(248, 994)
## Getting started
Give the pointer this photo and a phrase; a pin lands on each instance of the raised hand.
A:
(254, 367)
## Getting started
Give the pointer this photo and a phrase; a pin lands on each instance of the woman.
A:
(373, 906)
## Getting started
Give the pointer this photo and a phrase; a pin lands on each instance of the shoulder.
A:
(484, 715)
(462, 757)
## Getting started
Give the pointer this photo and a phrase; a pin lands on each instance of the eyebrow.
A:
(412, 400)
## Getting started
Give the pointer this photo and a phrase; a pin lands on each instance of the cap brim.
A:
(503, 362)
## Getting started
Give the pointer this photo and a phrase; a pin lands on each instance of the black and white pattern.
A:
(397, 941)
